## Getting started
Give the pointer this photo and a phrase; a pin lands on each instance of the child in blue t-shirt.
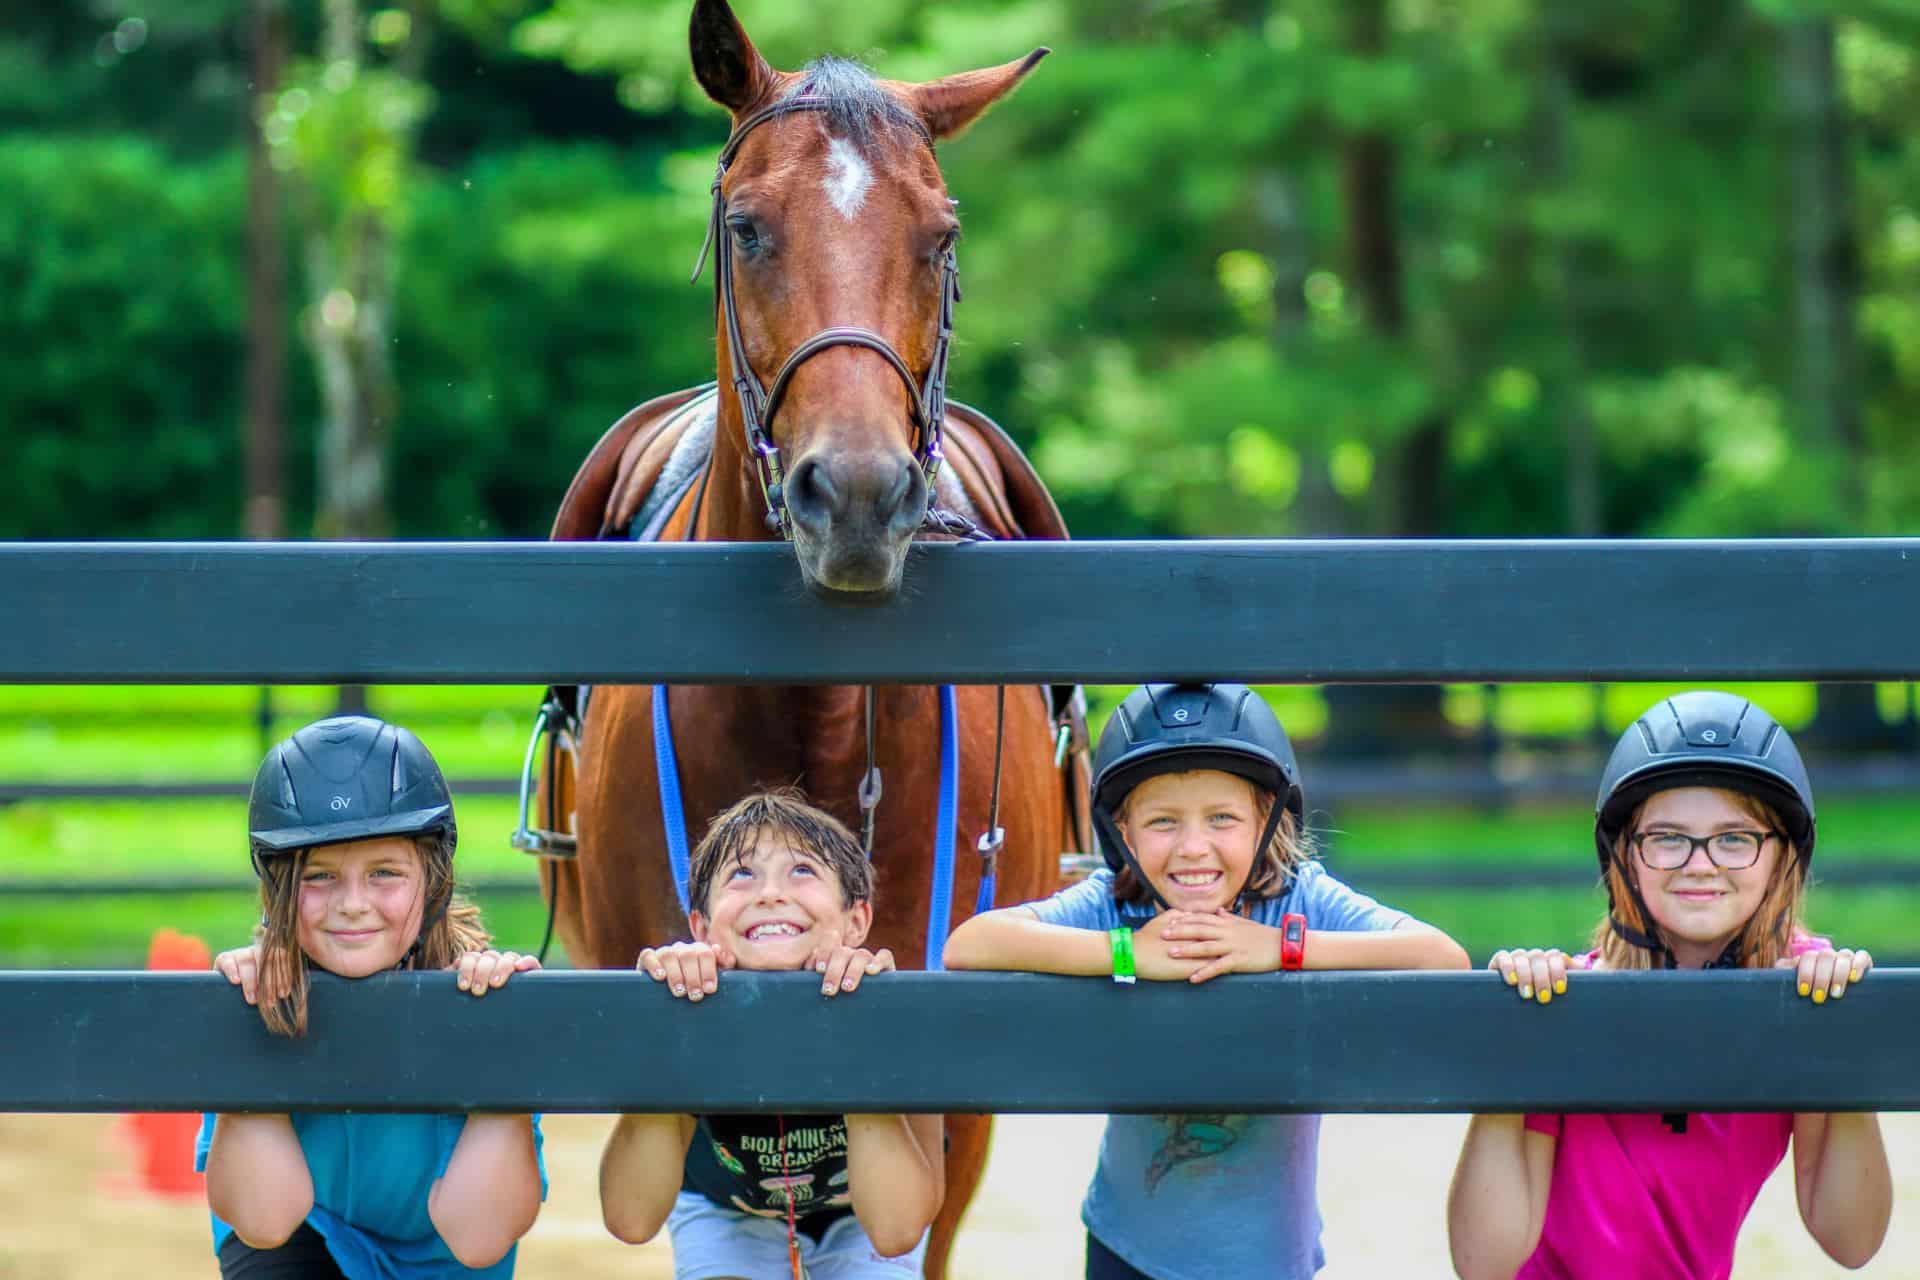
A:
(353, 838)
(1200, 817)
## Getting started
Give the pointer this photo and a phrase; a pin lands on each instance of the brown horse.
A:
(835, 282)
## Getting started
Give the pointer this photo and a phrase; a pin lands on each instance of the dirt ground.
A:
(66, 1212)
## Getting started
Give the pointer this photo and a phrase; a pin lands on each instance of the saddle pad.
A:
(691, 450)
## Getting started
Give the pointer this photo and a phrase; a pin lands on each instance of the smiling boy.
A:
(776, 884)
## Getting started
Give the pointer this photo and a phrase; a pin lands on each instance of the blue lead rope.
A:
(940, 900)
(673, 813)
(673, 816)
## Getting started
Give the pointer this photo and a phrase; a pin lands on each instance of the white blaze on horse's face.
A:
(848, 177)
(777, 906)
(1193, 834)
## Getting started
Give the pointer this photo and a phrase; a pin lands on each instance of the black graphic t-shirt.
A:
(736, 1162)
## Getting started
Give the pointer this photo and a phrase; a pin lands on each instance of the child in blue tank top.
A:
(353, 838)
(1200, 817)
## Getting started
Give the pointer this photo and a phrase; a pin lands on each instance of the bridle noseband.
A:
(758, 404)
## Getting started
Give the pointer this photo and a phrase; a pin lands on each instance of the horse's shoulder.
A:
(586, 510)
(999, 480)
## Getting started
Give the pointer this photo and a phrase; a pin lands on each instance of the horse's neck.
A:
(734, 509)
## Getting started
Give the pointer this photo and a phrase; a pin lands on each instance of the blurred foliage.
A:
(1591, 208)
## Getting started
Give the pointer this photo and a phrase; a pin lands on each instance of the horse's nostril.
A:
(904, 500)
(813, 495)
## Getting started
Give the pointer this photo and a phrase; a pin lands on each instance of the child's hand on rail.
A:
(690, 969)
(841, 967)
(1827, 973)
(482, 971)
(241, 967)
(1539, 974)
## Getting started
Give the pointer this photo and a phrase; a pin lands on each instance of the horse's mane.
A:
(857, 107)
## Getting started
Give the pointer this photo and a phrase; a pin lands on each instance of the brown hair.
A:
(450, 927)
(734, 834)
(1766, 936)
(1273, 866)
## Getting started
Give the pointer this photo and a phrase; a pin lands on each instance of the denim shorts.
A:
(710, 1242)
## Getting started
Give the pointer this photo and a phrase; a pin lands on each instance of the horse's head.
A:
(834, 237)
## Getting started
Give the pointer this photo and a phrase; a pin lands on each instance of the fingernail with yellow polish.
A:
(1805, 989)
(1545, 995)
(1560, 987)
(1820, 996)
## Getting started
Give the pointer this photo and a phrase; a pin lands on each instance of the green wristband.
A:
(1122, 939)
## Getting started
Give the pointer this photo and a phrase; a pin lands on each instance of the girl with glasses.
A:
(1705, 830)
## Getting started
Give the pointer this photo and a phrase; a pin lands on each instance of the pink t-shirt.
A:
(1630, 1197)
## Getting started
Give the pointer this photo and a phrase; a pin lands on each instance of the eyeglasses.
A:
(1671, 850)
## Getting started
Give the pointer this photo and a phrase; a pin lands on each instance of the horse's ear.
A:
(949, 105)
(725, 62)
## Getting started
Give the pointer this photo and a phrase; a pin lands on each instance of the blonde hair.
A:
(1767, 935)
(450, 927)
(1291, 847)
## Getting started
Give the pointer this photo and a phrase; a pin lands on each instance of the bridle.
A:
(758, 404)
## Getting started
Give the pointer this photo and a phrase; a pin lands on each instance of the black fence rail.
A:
(1308, 612)
(965, 1042)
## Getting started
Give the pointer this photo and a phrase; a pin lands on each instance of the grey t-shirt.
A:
(1199, 1197)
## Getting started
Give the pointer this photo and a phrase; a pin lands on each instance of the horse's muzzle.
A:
(854, 519)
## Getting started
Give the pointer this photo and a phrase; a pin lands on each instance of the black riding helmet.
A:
(347, 778)
(1701, 739)
(1179, 728)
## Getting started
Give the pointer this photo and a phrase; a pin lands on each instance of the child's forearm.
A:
(897, 1172)
(640, 1174)
(1498, 1199)
(1412, 945)
(1013, 938)
(1843, 1184)
(490, 1193)
(258, 1182)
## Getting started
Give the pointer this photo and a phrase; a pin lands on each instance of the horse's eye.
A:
(745, 234)
(947, 243)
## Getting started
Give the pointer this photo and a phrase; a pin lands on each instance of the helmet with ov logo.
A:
(347, 778)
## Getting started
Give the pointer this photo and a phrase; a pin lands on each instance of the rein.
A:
(759, 404)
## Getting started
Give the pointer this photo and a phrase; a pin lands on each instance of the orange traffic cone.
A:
(163, 1142)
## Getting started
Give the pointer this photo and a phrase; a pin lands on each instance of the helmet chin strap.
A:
(1260, 850)
(413, 952)
(1648, 941)
(1110, 832)
(1730, 958)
